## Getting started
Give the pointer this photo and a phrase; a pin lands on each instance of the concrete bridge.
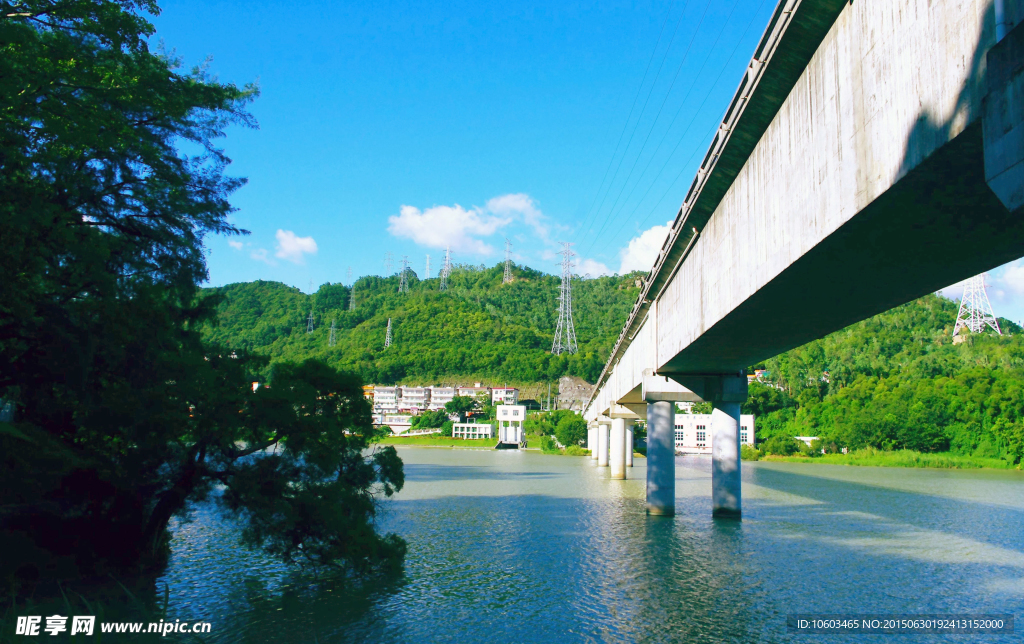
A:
(873, 153)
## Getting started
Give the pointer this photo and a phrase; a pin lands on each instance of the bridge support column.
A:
(592, 441)
(617, 448)
(629, 443)
(725, 460)
(602, 444)
(661, 458)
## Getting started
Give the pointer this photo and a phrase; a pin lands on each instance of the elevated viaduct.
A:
(873, 153)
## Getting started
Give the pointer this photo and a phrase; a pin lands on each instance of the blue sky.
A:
(403, 127)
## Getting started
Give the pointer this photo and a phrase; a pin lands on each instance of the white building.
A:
(510, 423)
(693, 433)
(439, 397)
(504, 396)
(472, 430)
(399, 423)
(385, 400)
(473, 391)
(413, 399)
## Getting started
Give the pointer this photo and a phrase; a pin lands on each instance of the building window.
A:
(743, 437)
(701, 436)
(679, 437)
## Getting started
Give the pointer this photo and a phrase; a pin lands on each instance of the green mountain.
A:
(898, 381)
(479, 327)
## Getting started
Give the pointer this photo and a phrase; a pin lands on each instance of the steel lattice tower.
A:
(975, 309)
(427, 274)
(403, 279)
(507, 279)
(565, 331)
(387, 336)
(388, 262)
(309, 322)
(349, 275)
(331, 340)
(446, 268)
(352, 298)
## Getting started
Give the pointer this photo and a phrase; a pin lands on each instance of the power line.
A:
(653, 125)
(565, 331)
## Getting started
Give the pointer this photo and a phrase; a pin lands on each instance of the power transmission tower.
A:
(349, 275)
(331, 340)
(388, 261)
(309, 322)
(403, 280)
(446, 268)
(507, 279)
(565, 331)
(975, 309)
(352, 298)
(427, 274)
(387, 337)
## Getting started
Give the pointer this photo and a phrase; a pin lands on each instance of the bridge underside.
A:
(937, 225)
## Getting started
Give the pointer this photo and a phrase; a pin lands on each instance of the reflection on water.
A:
(513, 546)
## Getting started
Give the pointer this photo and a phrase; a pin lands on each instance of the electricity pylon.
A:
(331, 340)
(507, 279)
(403, 279)
(446, 268)
(565, 331)
(388, 262)
(427, 274)
(387, 336)
(309, 322)
(975, 309)
(352, 298)
(349, 274)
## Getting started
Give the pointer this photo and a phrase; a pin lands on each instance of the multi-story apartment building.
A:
(439, 397)
(473, 391)
(504, 396)
(693, 433)
(413, 399)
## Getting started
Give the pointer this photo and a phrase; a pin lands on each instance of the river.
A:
(525, 547)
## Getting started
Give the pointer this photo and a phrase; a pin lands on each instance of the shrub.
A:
(576, 450)
(748, 453)
(781, 446)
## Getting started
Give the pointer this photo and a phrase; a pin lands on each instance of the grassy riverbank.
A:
(898, 458)
(439, 441)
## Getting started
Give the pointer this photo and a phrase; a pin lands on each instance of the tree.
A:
(571, 430)
(125, 414)
(460, 405)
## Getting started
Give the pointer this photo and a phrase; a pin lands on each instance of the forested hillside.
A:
(479, 327)
(898, 381)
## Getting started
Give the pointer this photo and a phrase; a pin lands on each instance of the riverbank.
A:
(439, 441)
(900, 458)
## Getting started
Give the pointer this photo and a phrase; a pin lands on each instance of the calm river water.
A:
(525, 547)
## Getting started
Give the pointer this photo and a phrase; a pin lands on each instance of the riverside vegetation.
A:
(124, 415)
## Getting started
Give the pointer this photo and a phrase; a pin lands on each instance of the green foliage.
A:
(897, 382)
(460, 405)
(576, 450)
(701, 408)
(870, 456)
(748, 453)
(479, 327)
(781, 446)
(549, 446)
(571, 430)
(447, 428)
(125, 416)
(431, 420)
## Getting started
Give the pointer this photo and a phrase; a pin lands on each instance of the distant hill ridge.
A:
(478, 329)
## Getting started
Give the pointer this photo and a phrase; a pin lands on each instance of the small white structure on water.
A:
(510, 425)
(472, 430)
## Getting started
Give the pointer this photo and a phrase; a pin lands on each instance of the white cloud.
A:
(234, 243)
(453, 226)
(466, 229)
(640, 253)
(262, 255)
(292, 247)
(520, 204)
(593, 268)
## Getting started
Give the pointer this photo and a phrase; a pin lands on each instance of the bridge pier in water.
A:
(602, 442)
(592, 441)
(617, 448)
(629, 443)
(725, 460)
(661, 458)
